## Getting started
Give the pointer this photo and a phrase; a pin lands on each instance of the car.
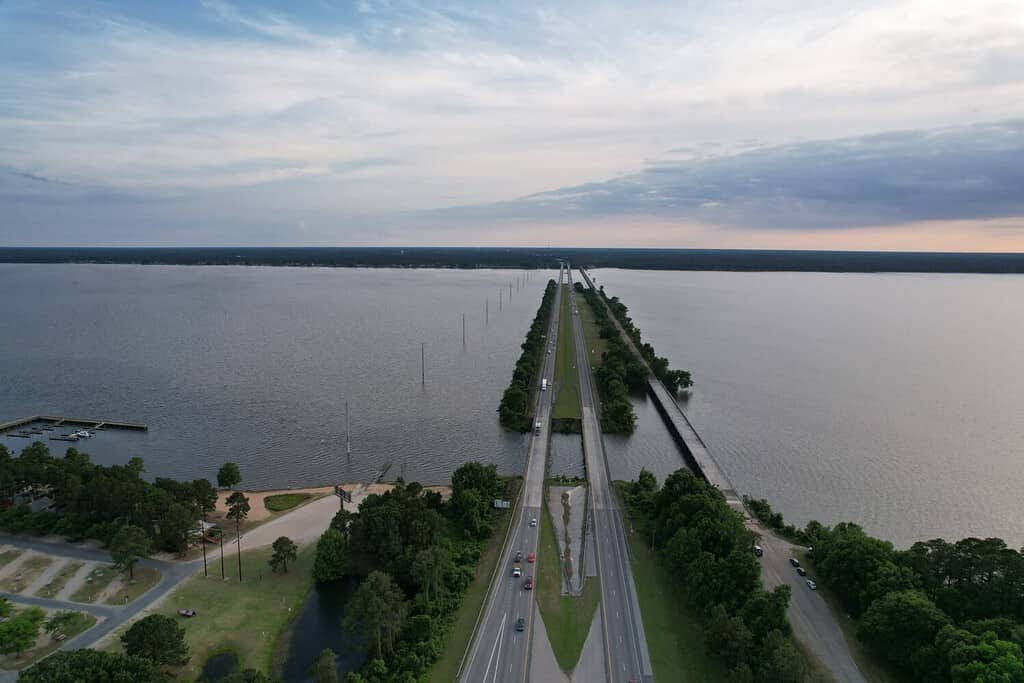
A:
(528, 584)
(801, 571)
(516, 571)
(758, 551)
(519, 556)
(187, 613)
(520, 624)
(813, 586)
(533, 521)
(795, 562)
(531, 557)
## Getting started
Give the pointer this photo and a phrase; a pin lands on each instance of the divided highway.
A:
(499, 652)
(625, 642)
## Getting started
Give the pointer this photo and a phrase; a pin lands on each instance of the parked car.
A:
(801, 571)
(531, 558)
(758, 551)
(520, 624)
(187, 613)
(533, 521)
(813, 586)
(795, 562)
(528, 584)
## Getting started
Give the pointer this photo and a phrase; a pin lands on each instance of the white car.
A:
(813, 586)
(533, 522)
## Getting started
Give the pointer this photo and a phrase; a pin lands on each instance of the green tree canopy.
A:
(79, 666)
(229, 476)
(331, 561)
(19, 632)
(128, 546)
(377, 612)
(325, 669)
(899, 624)
(158, 638)
(285, 551)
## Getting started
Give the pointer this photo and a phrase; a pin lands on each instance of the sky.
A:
(834, 124)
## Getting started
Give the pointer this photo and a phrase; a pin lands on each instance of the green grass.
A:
(674, 634)
(566, 618)
(8, 556)
(145, 578)
(101, 578)
(567, 403)
(25, 574)
(82, 622)
(446, 668)
(246, 618)
(595, 345)
(51, 589)
(285, 501)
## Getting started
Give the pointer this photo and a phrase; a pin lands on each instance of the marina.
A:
(37, 425)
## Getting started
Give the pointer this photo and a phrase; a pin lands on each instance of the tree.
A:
(964, 657)
(779, 660)
(377, 612)
(899, 624)
(158, 638)
(285, 551)
(129, 544)
(238, 509)
(229, 476)
(246, 676)
(324, 667)
(19, 632)
(76, 666)
(331, 560)
(428, 568)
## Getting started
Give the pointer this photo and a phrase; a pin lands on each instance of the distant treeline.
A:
(939, 611)
(528, 258)
(514, 409)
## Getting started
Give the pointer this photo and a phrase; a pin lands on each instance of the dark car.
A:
(519, 556)
(520, 624)
(801, 571)
(187, 613)
(528, 584)
(795, 562)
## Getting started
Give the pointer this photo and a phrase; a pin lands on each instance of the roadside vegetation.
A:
(514, 409)
(27, 634)
(938, 611)
(417, 556)
(567, 618)
(567, 402)
(706, 549)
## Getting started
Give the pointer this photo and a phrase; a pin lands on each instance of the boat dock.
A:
(7, 428)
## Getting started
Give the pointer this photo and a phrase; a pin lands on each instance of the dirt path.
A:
(46, 576)
(76, 581)
(14, 566)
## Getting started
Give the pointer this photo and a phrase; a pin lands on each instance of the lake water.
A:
(893, 400)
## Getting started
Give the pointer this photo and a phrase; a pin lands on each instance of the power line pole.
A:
(463, 329)
(348, 432)
(500, 295)
(423, 363)
(487, 312)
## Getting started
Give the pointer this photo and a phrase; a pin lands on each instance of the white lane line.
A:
(493, 649)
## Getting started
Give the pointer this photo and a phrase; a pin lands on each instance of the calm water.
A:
(893, 400)
(255, 365)
(317, 627)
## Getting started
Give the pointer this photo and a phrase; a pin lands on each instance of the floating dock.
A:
(57, 421)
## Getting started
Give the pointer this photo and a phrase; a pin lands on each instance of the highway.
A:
(498, 651)
(625, 641)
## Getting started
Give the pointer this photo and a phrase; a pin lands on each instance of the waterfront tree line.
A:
(415, 554)
(514, 409)
(706, 547)
(85, 500)
(940, 611)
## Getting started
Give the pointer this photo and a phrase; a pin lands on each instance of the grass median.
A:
(566, 618)
(97, 581)
(145, 578)
(567, 403)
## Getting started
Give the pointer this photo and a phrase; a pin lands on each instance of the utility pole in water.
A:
(348, 432)
(500, 295)
(487, 312)
(463, 329)
(423, 363)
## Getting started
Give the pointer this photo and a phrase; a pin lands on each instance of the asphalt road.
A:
(814, 623)
(625, 641)
(499, 652)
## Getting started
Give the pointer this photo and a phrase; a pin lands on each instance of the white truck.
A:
(543, 385)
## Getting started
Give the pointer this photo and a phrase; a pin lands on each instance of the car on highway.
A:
(519, 556)
(528, 584)
(801, 571)
(795, 562)
(813, 586)
(533, 521)
(531, 557)
(517, 571)
(520, 624)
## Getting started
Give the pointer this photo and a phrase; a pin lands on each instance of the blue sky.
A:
(857, 124)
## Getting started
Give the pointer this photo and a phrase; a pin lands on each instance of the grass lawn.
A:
(674, 635)
(567, 403)
(8, 556)
(98, 580)
(567, 619)
(145, 578)
(25, 574)
(60, 578)
(285, 501)
(446, 668)
(246, 618)
(595, 345)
